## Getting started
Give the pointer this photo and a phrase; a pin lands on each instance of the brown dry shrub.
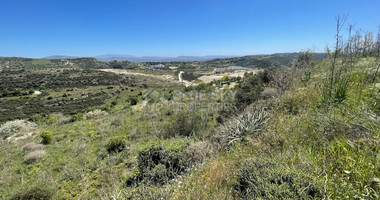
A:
(200, 151)
(32, 146)
(269, 93)
(34, 156)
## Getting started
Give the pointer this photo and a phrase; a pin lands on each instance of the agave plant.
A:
(247, 123)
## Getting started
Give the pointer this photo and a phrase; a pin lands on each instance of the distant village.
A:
(158, 66)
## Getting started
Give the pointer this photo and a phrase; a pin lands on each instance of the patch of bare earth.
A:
(209, 78)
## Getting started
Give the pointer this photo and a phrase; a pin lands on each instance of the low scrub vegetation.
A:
(32, 146)
(34, 156)
(116, 144)
(261, 179)
(14, 126)
(95, 114)
(308, 130)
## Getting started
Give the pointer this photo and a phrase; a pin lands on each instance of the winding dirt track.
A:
(204, 79)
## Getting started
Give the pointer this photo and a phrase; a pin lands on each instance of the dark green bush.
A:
(161, 161)
(114, 103)
(35, 192)
(340, 93)
(77, 117)
(262, 179)
(47, 137)
(133, 100)
(46, 119)
(249, 90)
(116, 144)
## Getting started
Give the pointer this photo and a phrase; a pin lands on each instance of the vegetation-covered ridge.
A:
(310, 130)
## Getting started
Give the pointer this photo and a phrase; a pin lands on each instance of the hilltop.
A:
(289, 126)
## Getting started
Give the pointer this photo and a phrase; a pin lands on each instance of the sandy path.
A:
(181, 80)
(180, 76)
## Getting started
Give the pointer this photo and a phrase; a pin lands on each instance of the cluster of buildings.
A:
(158, 66)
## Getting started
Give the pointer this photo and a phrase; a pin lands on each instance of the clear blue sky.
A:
(38, 28)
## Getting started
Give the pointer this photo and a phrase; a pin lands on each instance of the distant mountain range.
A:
(136, 59)
(59, 57)
(251, 60)
(119, 57)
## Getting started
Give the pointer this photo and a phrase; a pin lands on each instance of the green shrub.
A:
(291, 103)
(185, 123)
(114, 103)
(34, 192)
(200, 87)
(161, 161)
(133, 100)
(116, 144)
(77, 117)
(261, 179)
(105, 108)
(340, 93)
(48, 119)
(249, 90)
(47, 137)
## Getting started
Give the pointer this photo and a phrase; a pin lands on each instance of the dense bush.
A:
(161, 161)
(133, 100)
(261, 179)
(49, 119)
(47, 137)
(77, 117)
(185, 123)
(249, 90)
(116, 144)
(200, 87)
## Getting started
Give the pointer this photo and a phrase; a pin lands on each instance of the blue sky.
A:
(39, 28)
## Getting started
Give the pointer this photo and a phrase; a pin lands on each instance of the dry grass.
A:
(212, 181)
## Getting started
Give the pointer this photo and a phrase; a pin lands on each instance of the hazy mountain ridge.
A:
(120, 57)
(59, 57)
